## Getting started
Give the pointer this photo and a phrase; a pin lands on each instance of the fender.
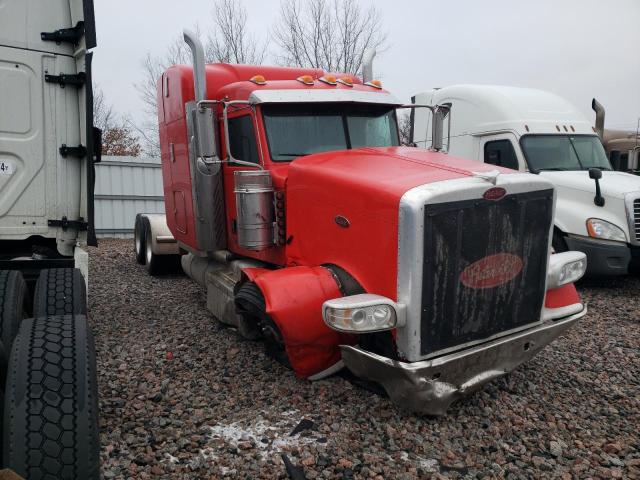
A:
(294, 298)
(562, 296)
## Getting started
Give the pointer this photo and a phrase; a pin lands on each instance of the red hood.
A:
(393, 170)
(364, 186)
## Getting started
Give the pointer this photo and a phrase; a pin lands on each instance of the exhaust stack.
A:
(367, 65)
(599, 109)
(205, 165)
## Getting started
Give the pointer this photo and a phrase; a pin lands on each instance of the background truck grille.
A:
(636, 218)
(484, 268)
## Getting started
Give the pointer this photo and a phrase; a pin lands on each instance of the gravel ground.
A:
(182, 397)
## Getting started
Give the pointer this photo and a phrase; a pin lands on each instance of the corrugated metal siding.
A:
(126, 186)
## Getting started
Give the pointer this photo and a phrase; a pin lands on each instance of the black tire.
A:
(60, 291)
(251, 305)
(158, 264)
(140, 239)
(557, 242)
(13, 302)
(50, 426)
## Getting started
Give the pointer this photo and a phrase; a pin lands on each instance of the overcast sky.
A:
(579, 49)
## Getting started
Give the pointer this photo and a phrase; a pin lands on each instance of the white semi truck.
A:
(47, 149)
(597, 210)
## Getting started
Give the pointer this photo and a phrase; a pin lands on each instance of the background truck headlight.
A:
(598, 228)
(564, 268)
(362, 313)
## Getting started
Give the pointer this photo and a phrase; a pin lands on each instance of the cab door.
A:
(502, 150)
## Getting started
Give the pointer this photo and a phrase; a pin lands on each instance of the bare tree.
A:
(103, 115)
(230, 42)
(118, 138)
(404, 127)
(332, 35)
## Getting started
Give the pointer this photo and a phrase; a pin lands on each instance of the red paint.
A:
(294, 298)
(491, 271)
(362, 185)
(495, 193)
(562, 296)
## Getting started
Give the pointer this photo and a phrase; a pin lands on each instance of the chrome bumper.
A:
(430, 386)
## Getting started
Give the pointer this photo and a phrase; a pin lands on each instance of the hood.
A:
(613, 184)
(343, 207)
(389, 170)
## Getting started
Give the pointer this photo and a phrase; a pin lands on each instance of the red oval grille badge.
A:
(495, 193)
(491, 271)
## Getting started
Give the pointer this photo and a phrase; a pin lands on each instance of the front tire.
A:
(51, 402)
(251, 305)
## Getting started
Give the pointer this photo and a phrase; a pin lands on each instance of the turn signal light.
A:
(374, 83)
(258, 80)
(348, 81)
(329, 79)
(306, 79)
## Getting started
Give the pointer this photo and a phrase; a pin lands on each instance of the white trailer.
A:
(47, 140)
(597, 210)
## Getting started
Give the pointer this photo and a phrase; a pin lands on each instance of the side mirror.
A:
(595, 173)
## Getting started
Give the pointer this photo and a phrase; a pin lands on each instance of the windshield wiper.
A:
(554, 169)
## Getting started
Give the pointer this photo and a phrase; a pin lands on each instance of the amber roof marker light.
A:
(375, 84)
(306, 79)
(258, 80)
(329, 80)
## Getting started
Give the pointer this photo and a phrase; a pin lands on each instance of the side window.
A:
(501, 153)
(242, 139)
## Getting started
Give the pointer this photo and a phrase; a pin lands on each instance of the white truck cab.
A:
(597, 209)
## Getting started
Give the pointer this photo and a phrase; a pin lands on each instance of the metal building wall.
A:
(126, 186)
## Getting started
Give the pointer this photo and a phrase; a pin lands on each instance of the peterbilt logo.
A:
(491, 271)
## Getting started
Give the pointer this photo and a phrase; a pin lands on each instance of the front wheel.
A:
(51, 402)
(251, 306)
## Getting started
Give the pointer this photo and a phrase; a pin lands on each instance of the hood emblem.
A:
(491, 271)
(490, 176)
(342, 221)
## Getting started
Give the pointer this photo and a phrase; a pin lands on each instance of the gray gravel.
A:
(182, 397)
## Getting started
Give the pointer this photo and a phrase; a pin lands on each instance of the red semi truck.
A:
(292, 203)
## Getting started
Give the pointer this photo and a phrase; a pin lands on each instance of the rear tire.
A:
(140, 239)
(60, 291)
(13, 302)
(51, 403)
(251, 305)
(154, 262)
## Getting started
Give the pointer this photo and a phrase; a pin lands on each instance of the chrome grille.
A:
(636, 218)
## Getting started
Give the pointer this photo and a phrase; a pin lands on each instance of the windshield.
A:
(303, 129)
(564, 152)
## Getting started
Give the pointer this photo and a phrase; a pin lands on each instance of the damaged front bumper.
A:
(429, 387)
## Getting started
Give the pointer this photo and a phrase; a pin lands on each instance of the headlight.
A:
(605, 230)
(362, 313)
(566, 267)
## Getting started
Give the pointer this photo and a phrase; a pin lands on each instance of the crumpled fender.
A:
(294, 298)
(562, 296)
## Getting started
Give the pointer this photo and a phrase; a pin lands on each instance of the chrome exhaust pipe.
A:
(599, 109)
(367, 65)
(199, 78)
